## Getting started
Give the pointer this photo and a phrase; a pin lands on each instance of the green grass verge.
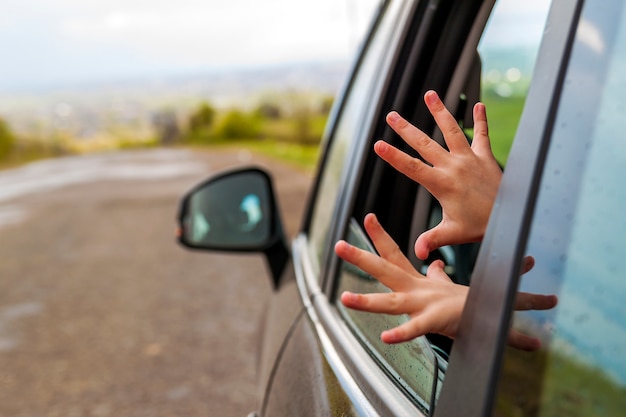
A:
(303, 157)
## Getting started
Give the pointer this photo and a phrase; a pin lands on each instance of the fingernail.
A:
(371, 217)
(389, 337)
(348, 297)
(380, 147)
(430, 97)
(393, 117)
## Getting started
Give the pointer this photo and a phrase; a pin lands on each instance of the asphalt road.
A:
(102, 313)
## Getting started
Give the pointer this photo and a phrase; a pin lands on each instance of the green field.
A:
(503, 116)
(300, 156)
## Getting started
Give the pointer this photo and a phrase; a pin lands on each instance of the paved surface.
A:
(102, 313)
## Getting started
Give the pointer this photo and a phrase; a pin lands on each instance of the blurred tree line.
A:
(16, 149)
(294, 119)
(291, 120)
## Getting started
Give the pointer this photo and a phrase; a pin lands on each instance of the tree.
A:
(203, 118)
(304, 120)
(7, 140)
(326, 105)
(269, 111)
(238, 125)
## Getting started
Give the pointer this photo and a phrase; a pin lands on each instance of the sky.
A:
(46, 43)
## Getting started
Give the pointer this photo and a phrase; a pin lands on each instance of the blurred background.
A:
(109, 111)
(80, 76)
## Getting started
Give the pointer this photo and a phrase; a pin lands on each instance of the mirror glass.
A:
(230, 212)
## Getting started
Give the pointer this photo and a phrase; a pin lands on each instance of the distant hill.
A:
(326, 76)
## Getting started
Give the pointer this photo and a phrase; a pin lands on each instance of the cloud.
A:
(77, 36)
(239, 32)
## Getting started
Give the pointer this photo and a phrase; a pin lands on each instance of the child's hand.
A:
(464, 179)
(433, 302)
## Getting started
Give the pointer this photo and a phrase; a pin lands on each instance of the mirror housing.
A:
(235, 211)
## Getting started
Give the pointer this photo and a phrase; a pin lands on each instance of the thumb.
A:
(427, 242)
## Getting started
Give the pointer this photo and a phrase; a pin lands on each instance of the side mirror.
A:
(236, 212)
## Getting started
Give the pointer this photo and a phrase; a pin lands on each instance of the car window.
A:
(578, 238)
(345, 134)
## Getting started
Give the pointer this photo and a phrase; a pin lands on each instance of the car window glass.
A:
(578, 238)
(412, 365)
(508, 51)
(345, 134)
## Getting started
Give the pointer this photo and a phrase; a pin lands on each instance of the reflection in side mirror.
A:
(235, 211)
(229, 212)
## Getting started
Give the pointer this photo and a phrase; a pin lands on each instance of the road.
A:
(102, 313)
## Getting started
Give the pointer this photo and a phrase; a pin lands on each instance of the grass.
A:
(503, 115)
(301, 156)
(31, 151)
(17, 159)
(552, 384)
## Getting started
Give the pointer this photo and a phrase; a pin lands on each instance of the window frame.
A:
(400, 86)
(413, 76)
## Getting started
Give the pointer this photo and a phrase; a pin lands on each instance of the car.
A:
(553, 78)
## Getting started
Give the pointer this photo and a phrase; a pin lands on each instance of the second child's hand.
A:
(433, 302)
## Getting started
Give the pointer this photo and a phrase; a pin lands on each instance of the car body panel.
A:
(283, 311)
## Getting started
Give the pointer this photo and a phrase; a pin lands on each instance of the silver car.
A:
(553, 78)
